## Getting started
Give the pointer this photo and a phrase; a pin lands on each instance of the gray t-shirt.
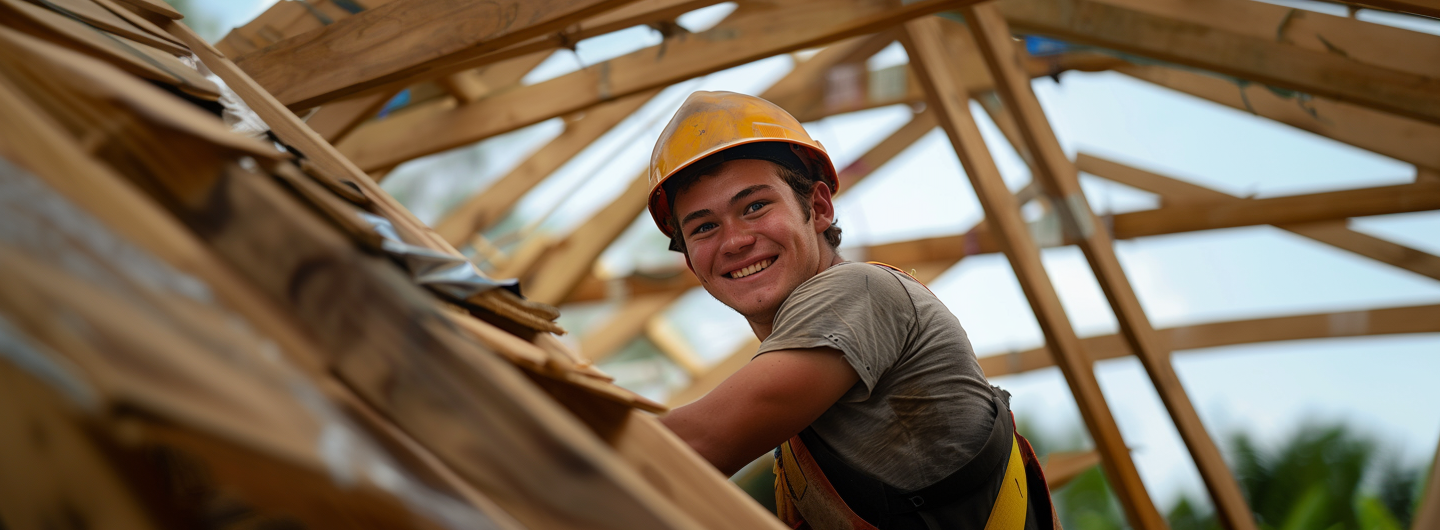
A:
(922, 407)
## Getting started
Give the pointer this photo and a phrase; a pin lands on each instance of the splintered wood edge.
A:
(537, 360)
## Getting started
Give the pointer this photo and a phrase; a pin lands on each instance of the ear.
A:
(823, 206)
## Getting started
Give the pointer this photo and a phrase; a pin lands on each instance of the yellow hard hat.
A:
(709, 123)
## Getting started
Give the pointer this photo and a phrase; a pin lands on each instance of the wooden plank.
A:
(93, 14)
(569, 262)
(1059, 178)
(504, 435)
(1427, 515)
(54, 472)
(206, 383)
(288, 127)
(950, 100)
(981, 239)
(140, 22)
(471, 85)
(136, 58)
(335, 120)
(676, 471)
(120, 207)
(1401, 138)
(1419, 196)
(1192, 37)
(754, 31)
(1338, 234)
(1356, 40)
(672, 345)
(283, 20)
(624, 324)
(401, 40)
(153, 7)
(482, 210)
(1335, 233)
(1061, 468)
(919, 125)
(1373, 322)
(809, 100)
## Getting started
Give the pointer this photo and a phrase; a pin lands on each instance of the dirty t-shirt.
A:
(922, 407)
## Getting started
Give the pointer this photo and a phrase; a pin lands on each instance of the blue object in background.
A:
(1042, 46)
(399, 101)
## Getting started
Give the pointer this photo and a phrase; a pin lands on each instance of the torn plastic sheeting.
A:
(451, 276)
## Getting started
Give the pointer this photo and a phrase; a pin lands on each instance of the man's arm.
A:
(772, 398)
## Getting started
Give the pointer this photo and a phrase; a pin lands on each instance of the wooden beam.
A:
(1403, 139)
(1221, 36)
(335, 120)
(471, 85)
(570, 261)
(812, 98)
(919, 125)
(1058, 176)
(283, 250)
(54, 469)
(134, 57)
(1334, 232)
(1428, 513)
(1317, 207)
(1061, 468)
(672, 345)
(1419, 196)
(754, 31)
(624, 324)
(950, 100)
(288, 127)
(401, 40)
(487, 207)
(100, 18)
(1389, 321)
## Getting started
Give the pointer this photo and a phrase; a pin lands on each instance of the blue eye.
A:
(755, 206)
(704, 227)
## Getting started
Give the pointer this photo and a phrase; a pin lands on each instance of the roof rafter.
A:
(1211, 36)
(402, 40)
(754, 31)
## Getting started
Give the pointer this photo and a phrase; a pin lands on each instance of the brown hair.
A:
(800, 184)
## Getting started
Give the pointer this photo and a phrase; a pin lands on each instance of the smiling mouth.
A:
(757, 267)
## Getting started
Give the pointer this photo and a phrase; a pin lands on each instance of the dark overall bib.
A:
(1001, 488)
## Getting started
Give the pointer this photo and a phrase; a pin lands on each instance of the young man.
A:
(864, 380)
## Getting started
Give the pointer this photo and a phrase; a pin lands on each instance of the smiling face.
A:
(749, 240)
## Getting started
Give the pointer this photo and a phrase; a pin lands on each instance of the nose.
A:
(737, 240)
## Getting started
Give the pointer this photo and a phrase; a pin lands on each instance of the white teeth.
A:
(751, 269)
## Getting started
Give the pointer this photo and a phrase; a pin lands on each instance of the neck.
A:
(764, 325)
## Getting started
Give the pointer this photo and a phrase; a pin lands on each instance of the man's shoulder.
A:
(850, 271)
(852, 278)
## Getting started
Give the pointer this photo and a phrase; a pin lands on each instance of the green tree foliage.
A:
(1316, 480)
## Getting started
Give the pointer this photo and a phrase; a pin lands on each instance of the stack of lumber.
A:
(199, 330)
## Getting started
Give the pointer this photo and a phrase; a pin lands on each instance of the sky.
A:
(1381, 385)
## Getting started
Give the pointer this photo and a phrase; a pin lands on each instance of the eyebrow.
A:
(739, 196)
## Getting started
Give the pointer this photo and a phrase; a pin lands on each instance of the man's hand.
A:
(772, 398)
